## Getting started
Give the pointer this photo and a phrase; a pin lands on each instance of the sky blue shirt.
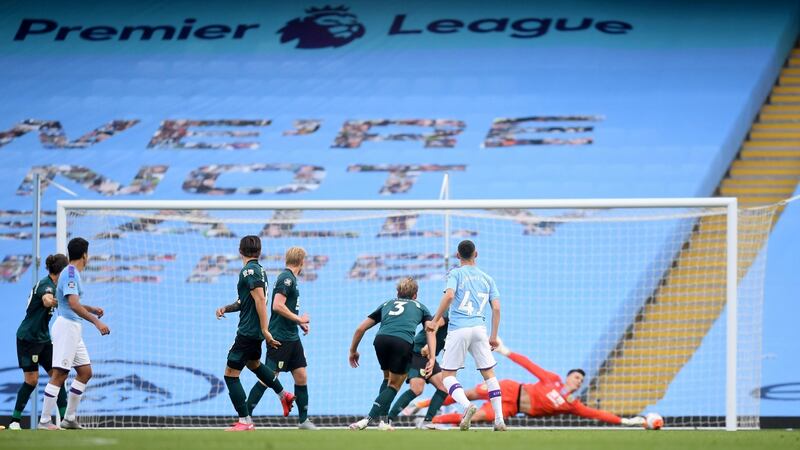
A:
(69, 283)
(473, 289)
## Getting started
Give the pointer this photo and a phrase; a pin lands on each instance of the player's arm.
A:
(494, 301)
(430, 335)
(279, 306)
(424, 350)
(233, 307)
(368, 323)
(49, 301)
(493, 342)
(526, 363)
(75, 303)
(447, 299)
(97, 311)
(260, 300)
(581, 410)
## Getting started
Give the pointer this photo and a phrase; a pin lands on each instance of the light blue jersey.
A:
(473, 289)
(69, 283)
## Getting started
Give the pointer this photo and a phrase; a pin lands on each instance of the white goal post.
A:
(71, 213)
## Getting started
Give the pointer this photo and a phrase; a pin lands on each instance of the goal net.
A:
(640, 294)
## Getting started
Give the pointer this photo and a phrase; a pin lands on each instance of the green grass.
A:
(402, 439)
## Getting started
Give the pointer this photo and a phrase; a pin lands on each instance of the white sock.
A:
(74, 399)
(456, 391)
(493, 386)
(279, 394)
(246, 420)
(50, 397)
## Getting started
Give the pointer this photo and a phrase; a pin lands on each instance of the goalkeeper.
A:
(549, 397)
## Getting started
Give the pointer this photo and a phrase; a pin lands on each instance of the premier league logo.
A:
(323, 27)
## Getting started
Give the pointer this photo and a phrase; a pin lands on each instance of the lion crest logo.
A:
(323, 27)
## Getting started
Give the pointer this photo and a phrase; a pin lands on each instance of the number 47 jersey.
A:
(473, 290)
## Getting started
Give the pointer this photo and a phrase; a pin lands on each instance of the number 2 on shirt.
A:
(466, 305)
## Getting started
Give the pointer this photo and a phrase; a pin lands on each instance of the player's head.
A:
(466, 250)
(250, 246)
(407, 288)
(575, 379)
(295, 257)
(55, 263)
(77, 249)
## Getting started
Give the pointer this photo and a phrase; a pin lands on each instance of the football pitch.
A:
(402, 439)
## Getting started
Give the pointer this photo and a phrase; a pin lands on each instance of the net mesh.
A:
(635, 297)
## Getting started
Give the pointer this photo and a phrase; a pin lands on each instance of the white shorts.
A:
(474, 340)
(68, 348)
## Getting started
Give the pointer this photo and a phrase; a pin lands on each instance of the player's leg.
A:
(56, 383)
(237, 359)
(438, 397)
(236, 394)
(297, 365)
(268, 378)
(455, 351)
(484, 414)
(416, 382)
(415, 387)
(484, 359)
(394, 357)
(30, 372)
(83, 373)
(301, 394)
(66, 336)
(380, 407)
(46, 361)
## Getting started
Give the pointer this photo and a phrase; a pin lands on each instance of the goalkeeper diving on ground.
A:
(550, 396)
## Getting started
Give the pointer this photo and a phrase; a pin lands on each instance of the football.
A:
(653, 421)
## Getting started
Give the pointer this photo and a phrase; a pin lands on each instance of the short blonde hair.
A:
(407, 288)
(295, 256)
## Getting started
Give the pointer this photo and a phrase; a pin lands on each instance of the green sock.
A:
(24, 393)
(382, 403)
(255, 396)
(61, 401)
(401, 403)
(383, 386)
(302, 402)
(436, 403)
(268, 377)
(236, 392)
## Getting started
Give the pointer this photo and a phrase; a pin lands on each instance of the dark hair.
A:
(55, 263)
(76, 248)
(250, 246)
(466, 249)
(580, 371)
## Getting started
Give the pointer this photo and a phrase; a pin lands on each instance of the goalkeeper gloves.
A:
(633, 421)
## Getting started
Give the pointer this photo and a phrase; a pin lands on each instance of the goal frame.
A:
(729, 203)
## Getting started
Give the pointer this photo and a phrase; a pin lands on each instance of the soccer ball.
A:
(653, 421)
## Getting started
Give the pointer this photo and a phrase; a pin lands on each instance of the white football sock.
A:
(50, 397)
(493, 386)
(456, 391)
(75, 393)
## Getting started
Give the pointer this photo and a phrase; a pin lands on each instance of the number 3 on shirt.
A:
(466, 305)
(398, 309)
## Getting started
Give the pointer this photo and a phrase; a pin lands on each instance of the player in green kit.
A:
(417, 377)
(393, 346)
(283, 324)
(252, 331)
(34, 347)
